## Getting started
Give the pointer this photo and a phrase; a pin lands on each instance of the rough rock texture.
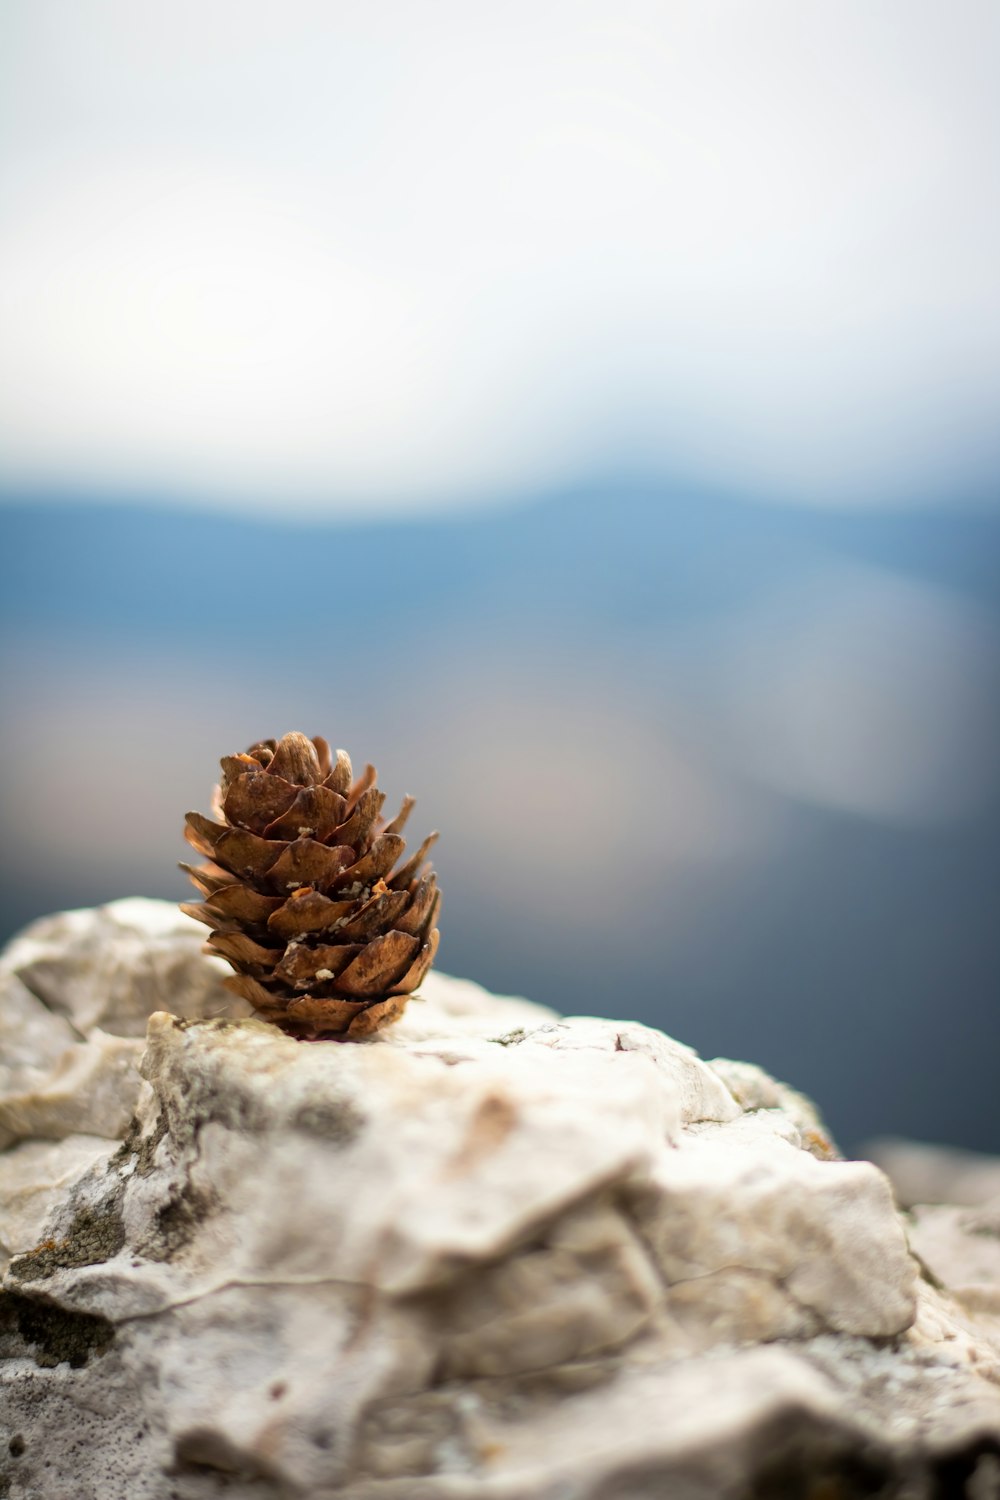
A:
(488, 1255)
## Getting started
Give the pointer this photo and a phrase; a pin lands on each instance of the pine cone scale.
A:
(417, 972)
(209, 878)
(379, 965)
(375, 1016)
(408, 871)
(381, 912)
(306, 912)
(364, 782)
(301, 967)
(314, 813)
(359, 825)
(255, 799)
(376, 863)
(238, 903)
(305, 862)
(423, 908)
(241, 949)
(341, 774)
(333, 1014)
(323, 755)
(296, 759)
(300, 892)
(237, 850)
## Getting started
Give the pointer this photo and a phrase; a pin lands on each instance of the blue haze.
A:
(864, 967)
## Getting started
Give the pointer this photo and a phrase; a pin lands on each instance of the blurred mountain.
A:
(726, 766)
(616, 556)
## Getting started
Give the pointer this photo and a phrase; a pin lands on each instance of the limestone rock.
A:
(114, 966)
(937, 1174)
(76, 991)
(490, 1254)
(34, 1177)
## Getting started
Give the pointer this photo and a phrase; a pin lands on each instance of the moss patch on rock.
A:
(54, 1335)
(96, 1235)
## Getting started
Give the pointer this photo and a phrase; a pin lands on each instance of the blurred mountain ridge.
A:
(628, 555)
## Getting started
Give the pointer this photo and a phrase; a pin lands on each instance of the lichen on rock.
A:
(489, 1254)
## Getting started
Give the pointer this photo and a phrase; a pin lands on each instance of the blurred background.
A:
(586, 411)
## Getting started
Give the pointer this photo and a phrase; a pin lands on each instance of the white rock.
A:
(754, 1089)
(34, 1177)
(76, 991)
(488, 1255)
(91, 1088)
(961, 1248)
(742, 1201)
(936, 1174)
(695, 1091)
(113, 966)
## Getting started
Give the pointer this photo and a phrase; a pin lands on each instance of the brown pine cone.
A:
(300, 892)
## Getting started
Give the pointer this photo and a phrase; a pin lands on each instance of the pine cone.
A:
(300, 892)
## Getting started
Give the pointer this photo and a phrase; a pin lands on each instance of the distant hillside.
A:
(616, 557)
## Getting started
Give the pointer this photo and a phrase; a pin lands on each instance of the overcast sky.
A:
(394, 255)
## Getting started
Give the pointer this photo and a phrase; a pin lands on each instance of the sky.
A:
(380, 259)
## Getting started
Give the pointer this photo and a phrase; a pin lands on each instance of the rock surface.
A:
(491, 1254)
(937, 1174)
